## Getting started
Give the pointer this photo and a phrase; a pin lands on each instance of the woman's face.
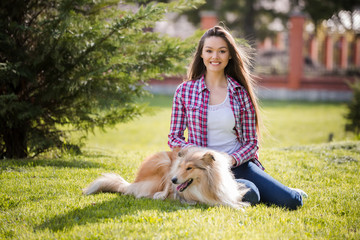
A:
(215, 54)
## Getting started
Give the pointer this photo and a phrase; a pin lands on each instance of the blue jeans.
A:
(264, 188)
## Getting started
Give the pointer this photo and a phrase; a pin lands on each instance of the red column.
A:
(296, 43)
(208, 19)
(328, 53)
(357, 52)
(343, 53)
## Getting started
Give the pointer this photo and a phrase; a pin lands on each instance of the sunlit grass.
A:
(41, 198)
(303, 123)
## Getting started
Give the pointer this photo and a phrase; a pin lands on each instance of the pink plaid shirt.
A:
(190, 110)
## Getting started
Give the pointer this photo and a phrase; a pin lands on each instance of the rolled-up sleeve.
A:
(249, 140)
(247, 132)
(178, 122)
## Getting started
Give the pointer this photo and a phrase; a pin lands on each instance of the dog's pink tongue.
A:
(184, 185)
(181, 186)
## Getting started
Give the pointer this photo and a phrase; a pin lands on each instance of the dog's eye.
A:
(189, 168)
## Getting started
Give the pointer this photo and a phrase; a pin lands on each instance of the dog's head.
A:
(191, 168)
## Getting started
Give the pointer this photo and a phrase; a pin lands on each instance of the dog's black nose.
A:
(174, 180)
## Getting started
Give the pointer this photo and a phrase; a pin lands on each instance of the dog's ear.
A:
(208, 158)
(183, 151)
(174, 153)
(176, 150)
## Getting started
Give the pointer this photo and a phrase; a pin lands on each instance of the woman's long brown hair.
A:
(237, 68)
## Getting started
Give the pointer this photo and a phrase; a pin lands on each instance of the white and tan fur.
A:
(166, 175)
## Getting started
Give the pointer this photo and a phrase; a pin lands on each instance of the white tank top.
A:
(221, 123)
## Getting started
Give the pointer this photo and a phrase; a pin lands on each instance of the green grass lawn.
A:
(41, 198)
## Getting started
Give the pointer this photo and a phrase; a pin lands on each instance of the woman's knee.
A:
(252, 194)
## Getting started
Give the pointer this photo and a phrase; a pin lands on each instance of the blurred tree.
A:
(75, 65)
(251, 18)
(322, 10)
(353, 115)
(246, 18)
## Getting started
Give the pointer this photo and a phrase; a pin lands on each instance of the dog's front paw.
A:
(160, 195)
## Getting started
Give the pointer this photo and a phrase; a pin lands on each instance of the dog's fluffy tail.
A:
(108, 182)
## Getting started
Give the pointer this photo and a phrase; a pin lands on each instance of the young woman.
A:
(218, 107)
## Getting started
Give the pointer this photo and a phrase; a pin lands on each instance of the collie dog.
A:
(191, 175)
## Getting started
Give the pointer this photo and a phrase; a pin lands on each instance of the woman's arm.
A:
(247, 134)
(178, 122)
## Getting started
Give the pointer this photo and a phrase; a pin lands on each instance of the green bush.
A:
(353, 116)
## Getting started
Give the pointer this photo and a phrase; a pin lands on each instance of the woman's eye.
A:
(208, 51)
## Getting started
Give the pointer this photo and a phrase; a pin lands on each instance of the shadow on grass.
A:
(60, 163)
(113, 209)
